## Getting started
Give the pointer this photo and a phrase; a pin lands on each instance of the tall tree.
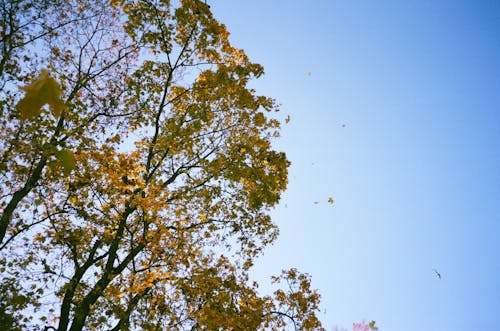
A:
(137, 172)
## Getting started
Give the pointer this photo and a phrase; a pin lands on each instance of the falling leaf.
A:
(67, 159)
(287, 119)
(372, 325)
(331, 200)
(344, 125)
(309, 74)
(44, 90)
(316, 202)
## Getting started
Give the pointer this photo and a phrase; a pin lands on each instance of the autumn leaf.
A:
(287, 119)
(259, 119)
(331, 200)
(44, 90)
(372, 325)
(67, 159)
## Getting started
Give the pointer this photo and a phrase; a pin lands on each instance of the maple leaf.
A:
(43, 90)
(67, 159)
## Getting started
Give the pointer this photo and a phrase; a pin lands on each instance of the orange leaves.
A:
(44, 90)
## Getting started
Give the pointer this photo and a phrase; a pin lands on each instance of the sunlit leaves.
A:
(143, 198)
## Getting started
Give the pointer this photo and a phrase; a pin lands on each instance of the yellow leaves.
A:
(331, 200)
(205, 179)
(259, 119)
(115, 3)
(73, 200)
(372, 325)
(239, 56)
(150, 279)
(44, 90)
(203, 216)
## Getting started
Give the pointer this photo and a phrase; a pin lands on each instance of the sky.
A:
(395, 113)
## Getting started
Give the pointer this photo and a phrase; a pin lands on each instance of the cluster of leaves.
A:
(137, 172)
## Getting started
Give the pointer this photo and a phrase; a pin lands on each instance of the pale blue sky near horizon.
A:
(399, 122)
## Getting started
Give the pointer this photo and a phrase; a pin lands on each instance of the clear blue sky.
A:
(415, 172)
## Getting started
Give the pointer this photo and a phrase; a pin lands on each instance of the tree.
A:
(137, 172)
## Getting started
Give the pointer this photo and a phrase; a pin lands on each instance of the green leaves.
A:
(175, 162)
(44, 90)
(66, 159)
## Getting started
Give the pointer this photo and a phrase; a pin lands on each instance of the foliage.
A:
(137, 172)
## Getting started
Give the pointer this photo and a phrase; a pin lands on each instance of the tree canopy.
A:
(137, 172)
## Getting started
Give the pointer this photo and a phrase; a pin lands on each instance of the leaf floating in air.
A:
(287, 119)
(44, 90)
(316, 202)
(372, 325)
(67, 159)
(331, 200)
